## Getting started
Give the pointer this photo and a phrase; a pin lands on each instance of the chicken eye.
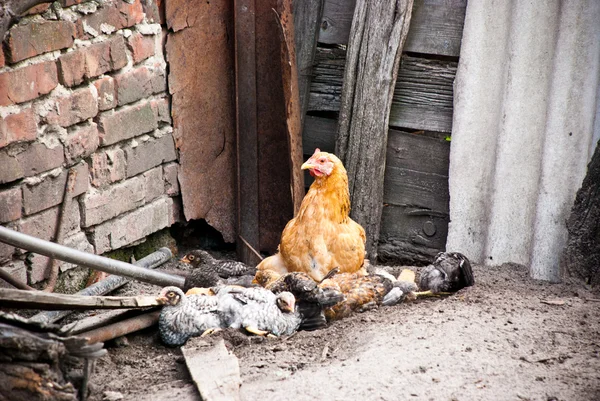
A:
(191, 257)
(171, 294)
(322, 160)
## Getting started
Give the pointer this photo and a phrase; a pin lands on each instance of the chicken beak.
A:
(185, 260)
(307, 165)
(161, 300)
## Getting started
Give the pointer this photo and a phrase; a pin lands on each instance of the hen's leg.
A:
(424, 294)
(210, 331)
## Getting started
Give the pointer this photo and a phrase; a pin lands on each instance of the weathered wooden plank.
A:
(10, 298)
(411, 235)
(201, 83)
(423, 96)
(319, 133)
(246, 131)
(416, 172)
(215, 371)
(275, 198)
(378, 33)
(293, 114)
(436, 26)
(307, 18)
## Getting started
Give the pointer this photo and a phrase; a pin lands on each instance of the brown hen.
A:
(322, 236)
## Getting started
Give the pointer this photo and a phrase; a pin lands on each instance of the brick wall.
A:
(84, 86)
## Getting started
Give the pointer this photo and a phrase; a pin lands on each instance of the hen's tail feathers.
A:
(312, 316)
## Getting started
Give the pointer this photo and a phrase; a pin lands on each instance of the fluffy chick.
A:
(184, 316)
(258, 310)
(209, 272)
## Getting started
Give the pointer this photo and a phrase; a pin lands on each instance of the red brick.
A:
(107, 167)
(171, 182)
(116, 14)
(107, 94)
(50, 190)
(34, 159)
(154, 185)
(150, 153)
(101, 205)
(161, 109)
(126, 123)
(81, 142)
(133, 226)
(28, 40)
(138, 84)
(75, 108)
(11, 202)
(18, 127)
(141, 46)
(71, 68)
(39, 9)
(2, 60)
(27, 83)
(43, 225)
(69, 3)
(105, 57)
(152, 11)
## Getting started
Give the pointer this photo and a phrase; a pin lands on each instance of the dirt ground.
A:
(498, 340)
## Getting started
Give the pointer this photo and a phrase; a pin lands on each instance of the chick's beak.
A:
(185, 260)
(161, 300)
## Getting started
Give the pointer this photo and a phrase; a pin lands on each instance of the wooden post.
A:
(378, 33)
(582, 253)
(307, 20)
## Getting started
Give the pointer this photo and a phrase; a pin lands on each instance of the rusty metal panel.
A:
(201, 82)
(275, 199)
(247, 141)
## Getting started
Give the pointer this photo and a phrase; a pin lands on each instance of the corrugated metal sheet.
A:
(526, 120)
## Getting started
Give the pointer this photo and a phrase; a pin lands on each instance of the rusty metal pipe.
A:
(97, 262)
(121, 328)
(107, 285)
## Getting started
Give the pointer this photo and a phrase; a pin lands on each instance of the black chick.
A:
(209, 272)
(449, 272)
(311, 299)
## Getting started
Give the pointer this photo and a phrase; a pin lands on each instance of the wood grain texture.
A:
(246, 130)
(48, 301)
(378, 33)
(214, 370)
(203, 109)
(423, 96)
(293, 114)
(436, 26)
(307, 18)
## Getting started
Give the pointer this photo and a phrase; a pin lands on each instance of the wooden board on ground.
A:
(436, 26)
(22, 299)
(215, 371)
(423, 96)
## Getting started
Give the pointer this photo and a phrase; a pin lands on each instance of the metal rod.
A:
(97, 262)
(15, 282)
(121, 328)
(107, 285)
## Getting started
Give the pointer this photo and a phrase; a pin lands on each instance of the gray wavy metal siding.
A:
(526, 120)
